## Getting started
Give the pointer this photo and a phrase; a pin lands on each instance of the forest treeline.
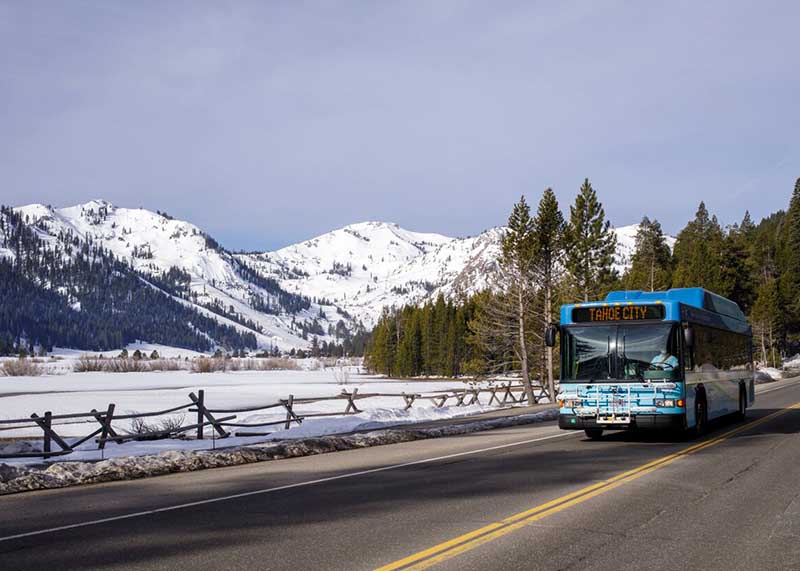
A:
(548, 259)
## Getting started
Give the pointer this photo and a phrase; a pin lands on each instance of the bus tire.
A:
(741, 414)
(700, 417)
(594, 433)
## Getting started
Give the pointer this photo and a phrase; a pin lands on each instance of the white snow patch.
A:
(771, 372)
(792, 362)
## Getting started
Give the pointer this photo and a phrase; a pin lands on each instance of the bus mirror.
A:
(550, 334)
(688, 336)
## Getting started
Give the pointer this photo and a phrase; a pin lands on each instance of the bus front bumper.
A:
(640, 421)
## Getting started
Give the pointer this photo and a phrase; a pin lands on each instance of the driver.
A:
(665, 361)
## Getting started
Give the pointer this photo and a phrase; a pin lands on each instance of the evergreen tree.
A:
(505, 326)
(789, 260)
(408, 357)
(590, 245)
(517, 242)
(738, 275)
(767, 319)
(409, 354)
(651, 263)
(698, 254)
(382, 346)
(548, 256)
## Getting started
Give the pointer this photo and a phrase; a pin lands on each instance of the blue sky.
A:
(270, 122)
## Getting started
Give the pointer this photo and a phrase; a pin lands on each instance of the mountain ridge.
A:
(331, 283)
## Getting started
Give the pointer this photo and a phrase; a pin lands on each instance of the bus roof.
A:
(672, 300)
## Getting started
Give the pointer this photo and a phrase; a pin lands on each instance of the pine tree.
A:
(380, 354)
(698, 254)
(789, 261)
(548, 256)
(767, 318)
(409, 352)
(738, 275)
(651, 263)
(504, 326)
(590, 245)
(517, 243)
(438, 332)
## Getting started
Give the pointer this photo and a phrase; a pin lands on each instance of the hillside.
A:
(329, 286)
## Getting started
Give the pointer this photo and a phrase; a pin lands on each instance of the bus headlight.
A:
(569, 403)
(666, 403)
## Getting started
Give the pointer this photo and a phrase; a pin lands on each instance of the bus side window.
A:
(688, 357)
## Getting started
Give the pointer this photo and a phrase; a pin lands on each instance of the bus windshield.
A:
(621, 352)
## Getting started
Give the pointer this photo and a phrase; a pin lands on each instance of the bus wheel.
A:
(594, 433)
(700, 417)
(742, 413)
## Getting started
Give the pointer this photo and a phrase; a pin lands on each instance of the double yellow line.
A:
(473, 539)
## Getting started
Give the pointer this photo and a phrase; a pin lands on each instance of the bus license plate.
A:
(614, 420)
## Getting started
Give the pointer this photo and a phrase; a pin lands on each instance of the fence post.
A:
(48, 423)
(351, 405)
(106, 424)
(202, 412)
(289, 404)
(201, 397)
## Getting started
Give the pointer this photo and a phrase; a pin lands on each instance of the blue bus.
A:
(673, 359)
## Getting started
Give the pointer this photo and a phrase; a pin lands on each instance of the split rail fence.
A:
(223, 420)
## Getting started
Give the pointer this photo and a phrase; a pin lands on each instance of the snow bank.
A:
(792, 362)
(768, 375)
(18, 478)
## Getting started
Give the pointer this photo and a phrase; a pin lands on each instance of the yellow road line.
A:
(468, 541)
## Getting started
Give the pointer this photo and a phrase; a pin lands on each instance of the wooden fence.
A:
(206, 416)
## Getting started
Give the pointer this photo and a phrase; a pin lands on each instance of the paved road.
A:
(528, 497)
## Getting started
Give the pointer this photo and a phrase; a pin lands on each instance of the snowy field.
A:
(62, 391)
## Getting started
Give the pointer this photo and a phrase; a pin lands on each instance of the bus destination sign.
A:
(617, 313)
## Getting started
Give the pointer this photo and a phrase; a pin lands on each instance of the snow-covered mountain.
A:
(286, 296)
(154, 244)
(365, 267)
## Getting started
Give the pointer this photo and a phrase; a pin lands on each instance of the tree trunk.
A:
(548, 308)
(523, 350)
(397, 331)
(772, 346)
